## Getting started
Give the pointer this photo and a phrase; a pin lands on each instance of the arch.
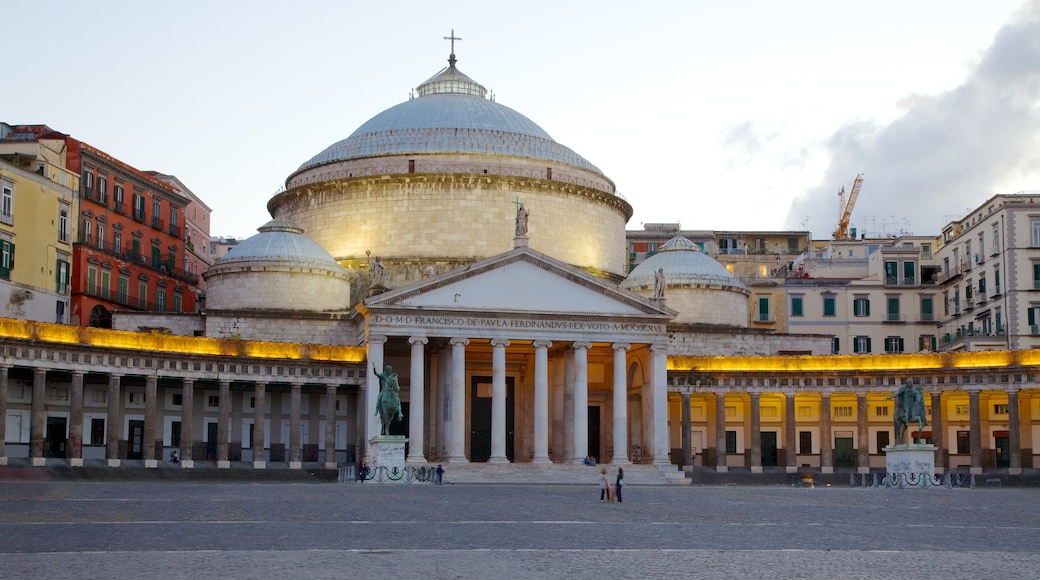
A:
(100, 317)
(635, 376)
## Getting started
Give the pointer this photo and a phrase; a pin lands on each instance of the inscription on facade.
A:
(514, 323)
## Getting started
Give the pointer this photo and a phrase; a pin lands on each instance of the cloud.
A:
(948, 152)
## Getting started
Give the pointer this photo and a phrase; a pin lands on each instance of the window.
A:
(117, 241)
(124, 290)
(926, 251)
(731, 441)
(861, 344)
(177, 301)
(982, 287)
(156, 208)
(891, 274)
(996, 239)
(213, 401)
(844, 411)
(173, 220)
(927, 313)
(881, 411)
(893, 345)
(805, 442)
(763, 309)
(106, 277)
(138, 207)
(142, 295)
(102, 189)
(6, 259)
(796, 306)
(882, 439)
(61, 276)
(1036, 275)
(160, 299)
(926, 343)
(861, 307)
(7, 203)
(156, 257)
(963, 442)
(996, 281)
(1033, 320)
(63, 224)
(177, 399)
(961, 409)
(1000, 409)
(829, 305)
(88, 183)
(100, 235)
(893, 309)
(982, 248)
(909, 273)
(117, 195)
(835, 345)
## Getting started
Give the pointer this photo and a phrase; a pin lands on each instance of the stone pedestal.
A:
(916, 460)
(388, 457)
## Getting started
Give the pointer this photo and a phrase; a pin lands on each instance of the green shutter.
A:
(868, 345)
(1030, 316)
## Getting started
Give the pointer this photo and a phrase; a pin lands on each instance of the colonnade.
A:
(116, 410)
(559, 414)
(937, 425)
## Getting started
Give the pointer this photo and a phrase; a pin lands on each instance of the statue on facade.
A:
(659, 283)
(521, 220)
(388, 403)
(377, 273)
(909, 407)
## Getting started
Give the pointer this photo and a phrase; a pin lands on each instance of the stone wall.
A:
(698, 340)
(178, 324)
(276, 288)
(331, 329)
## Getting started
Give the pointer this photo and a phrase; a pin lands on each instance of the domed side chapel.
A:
(443, 236)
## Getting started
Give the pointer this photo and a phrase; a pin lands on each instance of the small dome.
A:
(279, 241)
(683, 263)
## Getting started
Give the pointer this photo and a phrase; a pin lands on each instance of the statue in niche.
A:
(659, 284)
(521, 220)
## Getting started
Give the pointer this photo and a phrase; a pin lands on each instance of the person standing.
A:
(620, 481)
(604, 485)
(440, 474)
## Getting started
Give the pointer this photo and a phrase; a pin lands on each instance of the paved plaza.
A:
(329, 530)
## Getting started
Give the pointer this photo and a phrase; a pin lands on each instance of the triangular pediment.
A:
(522, 280)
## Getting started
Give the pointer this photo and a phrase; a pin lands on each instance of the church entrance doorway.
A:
(480, 419)
(595, 449)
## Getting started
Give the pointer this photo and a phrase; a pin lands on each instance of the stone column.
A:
(756, 431)
(660, 400)
(580, 443)
(938, 433)
(620, 403)
(720, 433)
(223, 414)
(417, 401)
(862, 435)
(151, 391)
(1014, 433)
(294, 426)
(375, 364)
(457, 449)
(259, 423)
(498, 401)
(687, 442)
(559, 416)
(75, 450)
(187, 421)
(541, 402)
(37, 420)
(3, 415)
(976, 430)
(790, 433)
(826, 440)
(330, 427)
(115, 421)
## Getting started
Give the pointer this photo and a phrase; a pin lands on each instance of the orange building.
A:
(129, 254)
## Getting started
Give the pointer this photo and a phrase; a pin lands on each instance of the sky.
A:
(743, 115)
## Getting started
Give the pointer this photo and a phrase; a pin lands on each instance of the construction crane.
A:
(845, 208)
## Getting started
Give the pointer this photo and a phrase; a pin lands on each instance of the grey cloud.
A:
(948, 151)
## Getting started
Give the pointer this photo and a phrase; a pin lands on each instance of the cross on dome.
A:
(452, 38)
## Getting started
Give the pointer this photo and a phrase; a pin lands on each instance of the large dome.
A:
(450, 115)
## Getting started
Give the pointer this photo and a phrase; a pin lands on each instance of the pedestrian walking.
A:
(604, 485)
(619, 483)
(440, 474)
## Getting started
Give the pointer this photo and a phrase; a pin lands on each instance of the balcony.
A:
(764, 318)
(119, 208)
(164, 265)
(894, 317)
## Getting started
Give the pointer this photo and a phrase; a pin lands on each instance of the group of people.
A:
(608, 493)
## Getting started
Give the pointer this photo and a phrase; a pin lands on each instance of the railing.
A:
(115, 297)
(128, 253)
(765, 317)
(893, 317)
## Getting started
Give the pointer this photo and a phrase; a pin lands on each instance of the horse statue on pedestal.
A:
(909, 408)
(388, 403)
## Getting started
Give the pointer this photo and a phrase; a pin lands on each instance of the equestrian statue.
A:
(909, 408)
(388, 403)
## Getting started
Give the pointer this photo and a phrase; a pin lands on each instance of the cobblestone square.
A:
(244, 530)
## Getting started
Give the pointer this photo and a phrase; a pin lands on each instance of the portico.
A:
(521, 358)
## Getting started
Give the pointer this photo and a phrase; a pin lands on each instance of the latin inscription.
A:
(507, 323)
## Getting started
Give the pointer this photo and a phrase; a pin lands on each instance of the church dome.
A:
(696, 285)
(277, 269)
(450, 115)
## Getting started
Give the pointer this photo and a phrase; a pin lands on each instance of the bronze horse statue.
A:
(909, 408)
(388, 403)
